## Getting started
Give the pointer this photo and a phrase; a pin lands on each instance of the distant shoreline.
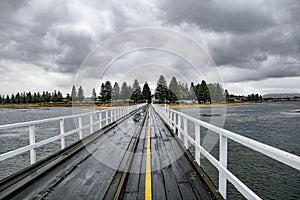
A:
(206, 105)
(105, 106)
(37, 105)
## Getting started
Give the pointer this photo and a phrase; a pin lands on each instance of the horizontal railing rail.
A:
(110, 115)
(175, 118)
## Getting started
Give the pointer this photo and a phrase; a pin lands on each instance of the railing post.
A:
(62, 132)
(173, 121)
(106, 117)
(169, 117)
(110, 116)
(197, 138)
(185, 139)
(80, 127)
(176, 127)
(32, 141)
(91, 124)
(100, 120)
(179, 126)
(223, 161)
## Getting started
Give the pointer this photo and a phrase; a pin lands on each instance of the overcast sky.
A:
(254, 44)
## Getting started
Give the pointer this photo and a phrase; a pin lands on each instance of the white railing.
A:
(110, 116)
(174, 118)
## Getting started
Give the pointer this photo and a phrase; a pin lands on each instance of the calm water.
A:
(275, 124)
(11, 139)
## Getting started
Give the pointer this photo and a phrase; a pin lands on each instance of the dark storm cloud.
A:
(248, 40)
(42, 37)
(80, 46)
(220, 16)
(250, 33)
(63, 33)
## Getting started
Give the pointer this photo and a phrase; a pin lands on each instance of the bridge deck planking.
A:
(88, 178)
(94, 177)
(181, 180)
(84, 177)
(136, 178)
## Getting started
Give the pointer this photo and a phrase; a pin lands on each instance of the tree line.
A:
(173, 92)
(44, 97)
(29, 97)
(109, 93)
(200, 92)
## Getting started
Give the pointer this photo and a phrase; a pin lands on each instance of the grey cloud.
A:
(25, 29)
(80, 46)
(248, 33)
(218, 15)
(27, 39)
(255, 39)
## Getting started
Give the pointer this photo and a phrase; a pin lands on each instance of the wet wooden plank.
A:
(185, 176)
(187, 191)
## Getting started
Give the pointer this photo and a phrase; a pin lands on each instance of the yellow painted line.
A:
(148, 192)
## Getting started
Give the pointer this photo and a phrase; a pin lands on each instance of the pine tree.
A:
(102, 92)
(161, 90)
(125, 94)
(73, 94)
(34, 98)
(28, 97)
(192, 94)
(12, 99)
(68, 97)
(185, 91)
(80, 95)
(202, 92)
(23, 97)
(7, 100)
(94, 95)
(18, 98)
(105, 92)
(108, 90)
(130, 91)
(226, 95)
(54, 96)
(216, 92)
(173, 92)
(146, 93)
(59, 96)
(39, 97)
(136, 94)
(115, 92)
